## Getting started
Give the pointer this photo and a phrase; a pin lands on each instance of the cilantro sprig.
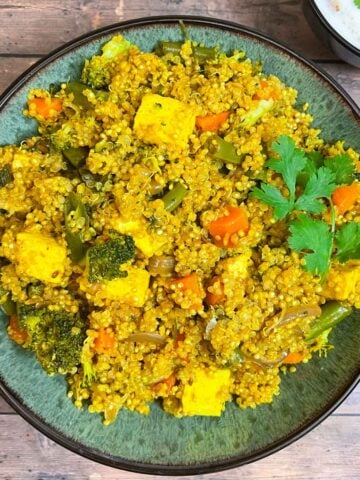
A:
(310, 180)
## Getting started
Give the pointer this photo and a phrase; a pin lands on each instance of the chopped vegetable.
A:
(143, 337)
(293, 358)
(211, 122)
(201, 54)
(192, 284)
(224, 227)
(76, 156)
(86, 361)
(46, 108)
(56, 337)
(253, 116)
(223, 150)
(331, 314)
(173, 198)
(105, 341)
(76, 219)
(265, 92)
(77, 90)
(6, 176)
(216, 295)
(98, 70)
(345, 197)
(294, 313)
(105, 260)
(162, 265)
(16, 333)
(169, 382)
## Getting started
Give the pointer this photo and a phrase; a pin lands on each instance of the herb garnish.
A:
(310, 180)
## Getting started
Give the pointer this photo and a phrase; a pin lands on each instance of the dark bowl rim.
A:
(332, 30)
(91, 453)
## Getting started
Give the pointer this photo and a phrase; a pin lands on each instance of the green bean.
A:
(331, 314)
(6, 176)
(174, 197)
(76, 156)
(74, 210)
(201, 54)
(223, 150)
(77, 89)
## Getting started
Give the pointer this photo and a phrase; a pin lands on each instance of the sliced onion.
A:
(264, 362)
(162, 265)
(144, 337)
(293, 313)
(210, 325)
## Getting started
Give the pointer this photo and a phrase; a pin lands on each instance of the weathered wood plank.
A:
(38, 27)
(5, 407)
(347, 76)
(11, 68)
(331, 452)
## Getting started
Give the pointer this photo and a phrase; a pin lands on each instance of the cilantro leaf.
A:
(313, 239)
(357, 3)
(319, 186)
(314, 160)
(273, 197)
(348, 242)
(292, 161)
(343, 168)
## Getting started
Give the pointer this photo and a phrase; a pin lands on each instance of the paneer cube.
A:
(148, 243)
(342, 282)
(131, 290)
(208, 392)
(164, 120)
(40, 256)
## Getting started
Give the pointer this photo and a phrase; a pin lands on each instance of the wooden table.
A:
(31, 29)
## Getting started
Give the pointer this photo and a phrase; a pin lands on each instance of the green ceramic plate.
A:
(159, 443)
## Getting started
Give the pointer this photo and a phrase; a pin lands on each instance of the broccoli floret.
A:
(97, 71)
(104, 260)
(56, 338)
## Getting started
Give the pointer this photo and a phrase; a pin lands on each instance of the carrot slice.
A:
(45, 107)
(218, 296)
(15, 332)
(190, 283)
(293, 358)
(265, 92)
(105, 341)
(344, 197)
(169, 382)
(211, 122)
(223, 227)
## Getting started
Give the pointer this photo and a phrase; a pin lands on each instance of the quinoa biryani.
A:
(177, 231)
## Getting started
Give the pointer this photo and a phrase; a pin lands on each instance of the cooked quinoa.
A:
(127, 162)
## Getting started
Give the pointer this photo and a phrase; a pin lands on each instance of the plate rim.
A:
(91, 453)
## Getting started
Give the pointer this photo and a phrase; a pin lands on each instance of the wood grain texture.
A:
(30, 27)
(26, 454)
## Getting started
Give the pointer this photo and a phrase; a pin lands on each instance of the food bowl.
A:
(337, 24)
(159, 443)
